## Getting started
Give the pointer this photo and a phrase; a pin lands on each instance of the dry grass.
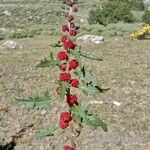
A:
(126, 69)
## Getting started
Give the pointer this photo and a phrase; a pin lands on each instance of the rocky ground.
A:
(126, 69)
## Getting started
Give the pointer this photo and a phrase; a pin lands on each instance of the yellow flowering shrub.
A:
(141, 33)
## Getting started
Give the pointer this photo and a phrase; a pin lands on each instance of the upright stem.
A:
(72, 138)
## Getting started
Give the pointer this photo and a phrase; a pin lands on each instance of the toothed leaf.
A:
(38, 102)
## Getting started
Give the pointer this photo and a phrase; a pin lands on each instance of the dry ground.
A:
(126, 69)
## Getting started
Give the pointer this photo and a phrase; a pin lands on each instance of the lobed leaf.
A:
(90, 56)
(58, 44)
(38, 102)
(44, 133)
(93, 120)
(87, 77)
(92, 90)
(90, 119)
(51, 62)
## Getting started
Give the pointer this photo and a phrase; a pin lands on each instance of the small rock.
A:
(116, 103)
(30, 18)
(11, 45)
(89, 39)
(6, 12)
(43, 112)
(82, 20)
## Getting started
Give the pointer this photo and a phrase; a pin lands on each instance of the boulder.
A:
(11, 45)
(90, 39)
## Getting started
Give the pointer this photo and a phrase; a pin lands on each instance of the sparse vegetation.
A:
(111, 12)
(125, 69)
(146, 17)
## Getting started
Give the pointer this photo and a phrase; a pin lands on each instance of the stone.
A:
(117, 103)
(90, 39)
(7, 13)
(11, 45)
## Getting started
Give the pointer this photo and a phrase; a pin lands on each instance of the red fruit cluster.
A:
(65, 28)
(74, 83)
(72, 100)
(68, 44)
(73, 64)
(63, 38)
(65, 77)
(65, 118)
(68, 148)
(73, 32)
(62, 55)
(70, 29)
(63, 67)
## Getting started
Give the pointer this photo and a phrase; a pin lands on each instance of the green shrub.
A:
(136, 4)
(111, 12)
(113, 29)
(146, 17)
(18, 34)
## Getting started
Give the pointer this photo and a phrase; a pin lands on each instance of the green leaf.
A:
(39, 102)
(92, 90)
(83, 71)
(87, 77)
(90, 119)
(51, 56)
(95, 121)
(77, 118)
(89, 89)
(76, 53)
(90, 56)
(47, 63)
(63, 87)
(79, 111)
(58, 44)
(101, 90)
(44, 133)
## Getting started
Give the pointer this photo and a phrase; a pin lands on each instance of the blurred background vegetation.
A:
(27, 18)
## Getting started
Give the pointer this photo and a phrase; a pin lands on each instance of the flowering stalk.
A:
(68, 60)
(66, 68)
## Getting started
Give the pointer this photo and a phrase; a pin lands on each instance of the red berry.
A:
(65, 77)
(63, 38)
(68, 148)
(72, 100)
(73, 64)
(69, 45)
(65, 116)
(74, 82)
(62, 55)
(63, 125)
(73, 32)
(65, 28)
(63, 67)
